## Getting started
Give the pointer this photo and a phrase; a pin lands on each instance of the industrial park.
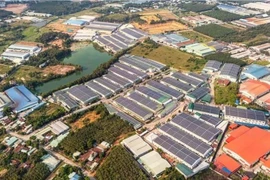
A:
(160, 90)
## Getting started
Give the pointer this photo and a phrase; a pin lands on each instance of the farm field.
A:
(234, 27)
(164, 14)
(4, 68)
(214, 30)
(161, 28)
(16, 8)
(169, 56)
(85, 120)
(196, 36)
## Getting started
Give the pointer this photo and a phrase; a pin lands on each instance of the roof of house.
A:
(228, 162)
(251, 145)
(254, 88)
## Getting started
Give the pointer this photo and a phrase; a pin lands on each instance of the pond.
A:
(87, 57)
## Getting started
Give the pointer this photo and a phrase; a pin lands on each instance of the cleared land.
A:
(58, 26)
(59, 69)
(150, 18)
(16, 8)
(196, 36)
(169, 56)
(30, 73)
(4, 68)
(85, 120)
(164, 14)
(161, 28)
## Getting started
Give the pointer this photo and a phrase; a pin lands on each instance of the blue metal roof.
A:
(256, 71)
(75, 21)
(21, 97)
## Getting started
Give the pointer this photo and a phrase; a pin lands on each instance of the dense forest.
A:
(225, 58)
(139, 5)
(60, 8)
(107, 128)
(248, 34)
(120, 165)
(45, 38)
(223, 15)
(196, 7)
(51, 56)
(214, 30)
(121, 18)
(4, 13)
(39, 171)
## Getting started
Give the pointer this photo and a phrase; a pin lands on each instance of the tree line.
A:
(120, 165)
(223, 15)
(248, 34)
(214, 30)
(60, 8)
(225, 58)
(196, 7)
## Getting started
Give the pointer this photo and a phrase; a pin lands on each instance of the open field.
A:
(196, 36)
(169, 56)
(4, 68)
(263, 63)
(32, 33)
(58, 26)
(161, 28)
(150, 18)
(16, 8)
(58, 69)
(47, 111)
(86, 119)
(164, 14)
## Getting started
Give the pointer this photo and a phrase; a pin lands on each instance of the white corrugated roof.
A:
(154, 163)
(137, 145)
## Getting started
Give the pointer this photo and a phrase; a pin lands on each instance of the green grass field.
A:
(169, 56)
(32, 33)
(196, 36)
(263, 63)
(4, 68)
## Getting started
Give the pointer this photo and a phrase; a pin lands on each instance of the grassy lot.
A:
(226, 95)
(44, 115)
(196, 36)
(169, 56)
(48, 110)
(4, 68)
(32, 33)
(27, 73)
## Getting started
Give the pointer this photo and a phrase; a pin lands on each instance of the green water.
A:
(88, 58)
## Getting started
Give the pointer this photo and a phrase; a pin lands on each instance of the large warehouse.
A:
(229, 71)
(212, 66)
(250, 146)
(245, 117)
(253, 89)
(22, 99)
(254, 71)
